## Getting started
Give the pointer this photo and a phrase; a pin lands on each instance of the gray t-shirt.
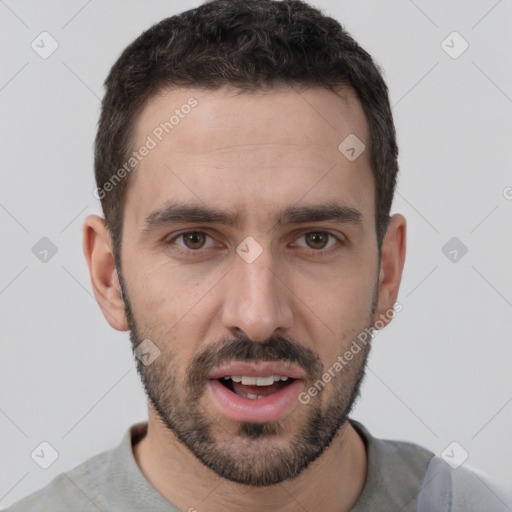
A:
(402, 477)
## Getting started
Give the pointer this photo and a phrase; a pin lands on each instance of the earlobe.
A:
(103, 273)
(391, 267)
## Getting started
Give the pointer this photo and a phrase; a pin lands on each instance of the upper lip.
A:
(258, 369)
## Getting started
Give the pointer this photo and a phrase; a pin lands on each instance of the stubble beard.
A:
(258, 454)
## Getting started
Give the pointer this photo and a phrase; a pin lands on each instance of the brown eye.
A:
(317, 239)
(193, 239)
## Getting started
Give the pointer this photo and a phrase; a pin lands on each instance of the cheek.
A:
(171, 307)
(338, 311)
(165, 292)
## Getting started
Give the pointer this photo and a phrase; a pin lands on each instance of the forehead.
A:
(259, 150)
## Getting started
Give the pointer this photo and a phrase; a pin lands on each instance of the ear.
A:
(98, 252)
(391, 266)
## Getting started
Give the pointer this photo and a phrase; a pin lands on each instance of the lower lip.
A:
(258, 410)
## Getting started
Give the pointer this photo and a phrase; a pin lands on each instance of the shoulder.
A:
(101, 481)
(405, 476)
(446, 489)
(76, 488)
(396, 470)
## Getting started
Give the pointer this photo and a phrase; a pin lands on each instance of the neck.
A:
(332, 483)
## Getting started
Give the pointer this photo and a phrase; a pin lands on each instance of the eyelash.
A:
(312, 252)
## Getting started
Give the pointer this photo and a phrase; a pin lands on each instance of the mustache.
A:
(275, 348)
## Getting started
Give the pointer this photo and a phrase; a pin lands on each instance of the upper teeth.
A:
(256, 381)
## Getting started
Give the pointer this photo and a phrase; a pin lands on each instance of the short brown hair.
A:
(249, 44)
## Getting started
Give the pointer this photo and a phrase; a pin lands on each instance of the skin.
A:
(253, 153)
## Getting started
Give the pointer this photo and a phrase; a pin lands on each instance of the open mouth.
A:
(256, 391)
(255, 388)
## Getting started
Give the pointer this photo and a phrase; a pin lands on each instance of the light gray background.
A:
(439, 373)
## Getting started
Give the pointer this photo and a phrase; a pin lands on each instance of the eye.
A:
(192, 240)
(197, 241)
(318, 240)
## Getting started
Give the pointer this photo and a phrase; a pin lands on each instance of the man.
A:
(246, 162)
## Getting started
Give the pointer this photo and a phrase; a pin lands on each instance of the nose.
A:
(257, 299)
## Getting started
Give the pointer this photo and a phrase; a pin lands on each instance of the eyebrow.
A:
(175, 212)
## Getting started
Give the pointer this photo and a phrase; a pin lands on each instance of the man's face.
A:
(280, 291)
